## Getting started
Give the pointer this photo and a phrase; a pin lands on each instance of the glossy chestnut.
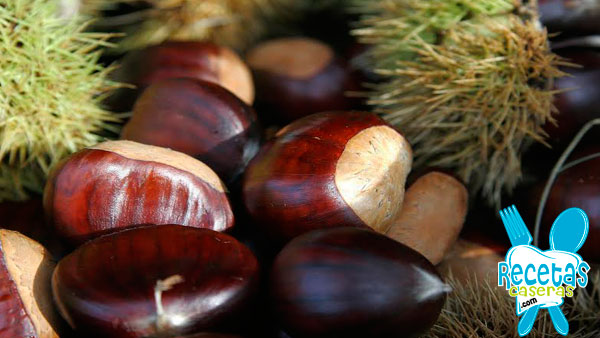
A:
(26, 307)
(155, 281)
(198, 118)
(578, 100)
(328, 170)
(577, 186)
(349, 282)
(570, 17)
(27, 217)
(176, 59)
(117, 184)
(296, 77)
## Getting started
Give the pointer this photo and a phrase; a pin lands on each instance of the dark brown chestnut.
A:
(579, 98)
(349, 282)
(118, 184)
(175, 59)
(27, 217)
(570, 17)
(296, 77)
(328, 170)
(26, 307)
(155, 281)
(198, 118)
(577, 186)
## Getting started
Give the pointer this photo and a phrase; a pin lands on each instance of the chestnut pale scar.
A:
(143, 152)
(30, 267)
(274, 56)
(373, 167)
(235, 75)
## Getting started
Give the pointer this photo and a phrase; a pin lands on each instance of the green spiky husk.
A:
(50, 88)
(233, 23)
(468, 82)
(480, 309)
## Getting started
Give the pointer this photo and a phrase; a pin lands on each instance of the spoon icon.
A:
(568, 233)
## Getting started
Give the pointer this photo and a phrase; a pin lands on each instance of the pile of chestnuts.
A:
(150, 223)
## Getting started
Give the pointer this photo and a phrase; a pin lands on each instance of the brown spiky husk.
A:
(233, 23)
(470, 90)
(480, 309)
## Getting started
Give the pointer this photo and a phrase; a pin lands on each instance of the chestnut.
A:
(327, 170)
(26, 307)
(174, 59)
(468, 260)
(118, 184)
(296, 77)
(578, 100)
(433, 213)
(155, 281)
(349, 282)
(570, 17)
(577, 186)
(198, 118)
(27, 217)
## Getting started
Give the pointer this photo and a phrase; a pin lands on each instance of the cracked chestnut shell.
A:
(26, 308)
(117, 184)
(327, 170)
(199, 118)
(155, 281)
(349, 282)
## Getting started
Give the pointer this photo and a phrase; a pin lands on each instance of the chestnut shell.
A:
(106, 287)
(349, 282)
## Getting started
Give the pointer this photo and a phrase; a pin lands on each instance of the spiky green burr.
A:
(468, 81)
(50, 88)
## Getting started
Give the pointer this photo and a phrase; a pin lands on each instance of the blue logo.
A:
(541, 279)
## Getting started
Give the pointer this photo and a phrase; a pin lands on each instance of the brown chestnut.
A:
(578, 100)
(175, 59)
(199, 118)
(26, 307)
(575, 187)
(118, 184)
(155, 281)
(328, 170)
(570, 17)
(349, 282)
(296, 77)
(27, 217)
(432, 216)
(467, 261)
